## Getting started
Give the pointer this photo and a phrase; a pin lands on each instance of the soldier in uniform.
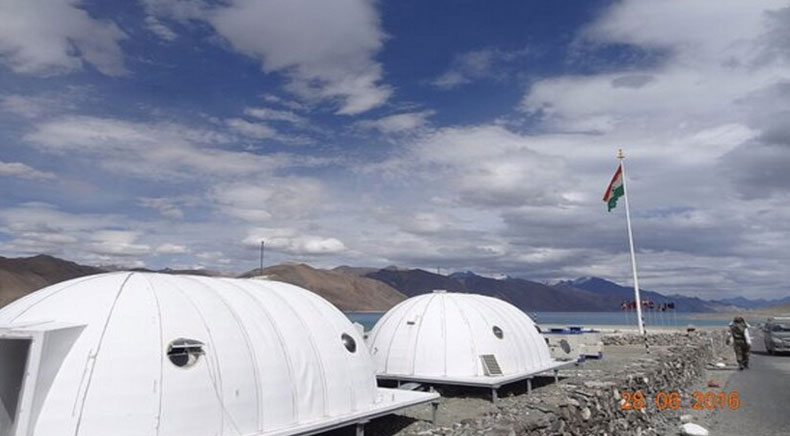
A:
(741, 341)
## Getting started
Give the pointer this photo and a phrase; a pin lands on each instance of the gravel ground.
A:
(467, 411)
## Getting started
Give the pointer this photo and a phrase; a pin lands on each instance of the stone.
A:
(690, 429)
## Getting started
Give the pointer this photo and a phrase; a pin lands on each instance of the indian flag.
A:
(615, 189)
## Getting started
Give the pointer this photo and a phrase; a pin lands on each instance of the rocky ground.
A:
(587, 400)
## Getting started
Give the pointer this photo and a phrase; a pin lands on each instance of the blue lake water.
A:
(655, 319)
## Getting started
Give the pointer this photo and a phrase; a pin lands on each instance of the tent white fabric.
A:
(457, 338)
(139, 353)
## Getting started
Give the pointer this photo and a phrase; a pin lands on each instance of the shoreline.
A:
(628, 329)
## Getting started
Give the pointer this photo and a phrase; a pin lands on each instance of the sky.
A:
(460, 135)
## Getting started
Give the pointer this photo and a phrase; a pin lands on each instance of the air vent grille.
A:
(490, 365)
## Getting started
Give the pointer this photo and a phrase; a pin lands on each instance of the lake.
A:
(652, 319)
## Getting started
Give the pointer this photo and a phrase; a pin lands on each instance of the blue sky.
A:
(452, 134)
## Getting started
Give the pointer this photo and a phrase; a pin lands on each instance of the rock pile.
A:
(592, 405)
(654, 339)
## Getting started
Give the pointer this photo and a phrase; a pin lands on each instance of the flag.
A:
(615, 189)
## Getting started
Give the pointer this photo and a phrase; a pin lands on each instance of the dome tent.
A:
(139, 353)
(456, 338)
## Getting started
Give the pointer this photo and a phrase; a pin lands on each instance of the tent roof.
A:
(458, 338)
(123, 353)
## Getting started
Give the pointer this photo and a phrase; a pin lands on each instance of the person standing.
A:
(741, 341)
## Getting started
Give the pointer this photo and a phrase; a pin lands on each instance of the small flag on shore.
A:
(615, 189)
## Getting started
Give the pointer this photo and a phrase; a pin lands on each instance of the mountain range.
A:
(370, 289)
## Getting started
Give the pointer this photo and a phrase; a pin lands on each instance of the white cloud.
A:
(42, 228)
(108, 239)
(180, 10)
(252, 130)
(22, 171)
(29, 106)
(47, 37)
(484, 166)
(326, 49)
(167, 207)
(264, 113)
(117, 243)
(398, 123)
(159, 29)
(169, 248)
(425, 223)
(280, 198)
(290, 241)
(290, 104)
(159, 151)
(487, 63)
(215, 257)
(701, 33)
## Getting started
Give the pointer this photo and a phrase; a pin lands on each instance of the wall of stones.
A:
(653, 339)
(594, 407)
(591, 405)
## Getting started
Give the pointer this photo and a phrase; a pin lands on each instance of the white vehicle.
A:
(776, 333)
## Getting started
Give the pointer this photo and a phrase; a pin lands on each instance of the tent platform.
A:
(490, 382)
(392, 401)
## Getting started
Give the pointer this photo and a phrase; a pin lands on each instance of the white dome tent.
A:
(127, 354)
(460, 339)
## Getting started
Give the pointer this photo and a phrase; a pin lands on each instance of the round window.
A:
(184, 353)
(349, 342)
(498, 332)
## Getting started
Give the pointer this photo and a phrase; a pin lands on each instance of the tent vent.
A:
(490, 365)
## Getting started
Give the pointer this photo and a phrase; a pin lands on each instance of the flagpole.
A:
(621, 157)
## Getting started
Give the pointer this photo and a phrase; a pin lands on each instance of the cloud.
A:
(161, 151)
(398, 123)
(49, 37)
(179, 10)
(42, 228)
(30, 106)
(290, 241)
(759, 170)
(325, 49)
(487, 63)
(252, 130)
(159, 29)
(484, 166)
(425, 223)
(276, 198)
(169, 248)
(264, 113)
(705, 32)
(103, 239)
(117, 243)
(167, 207)
(22, 171)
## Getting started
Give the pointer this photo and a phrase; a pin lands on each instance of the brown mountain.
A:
(416, 281)
(355, 270)
(524, 294)
(21, 276)
(346, 290)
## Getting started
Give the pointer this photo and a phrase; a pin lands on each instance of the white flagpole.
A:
(621, 157)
